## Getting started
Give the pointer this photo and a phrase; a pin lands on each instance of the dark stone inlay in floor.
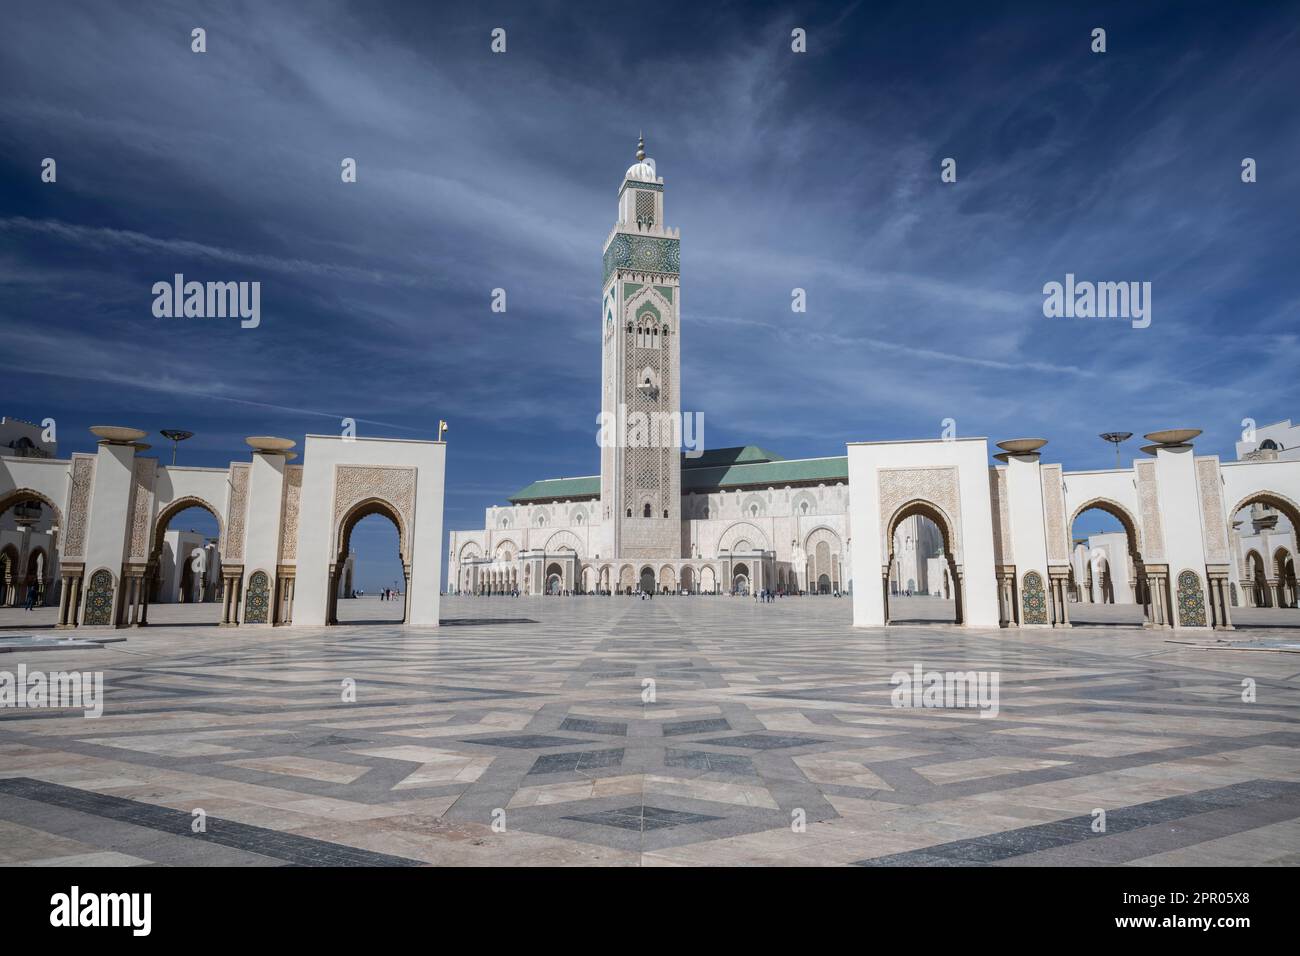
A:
(479, 621)
(642, 818)
(573, 762)
(525, 741)
(585, 725)
(335, 740)
(707, 725)
(760, 741)
(719, 763)
(1046, 836)
(298, 850)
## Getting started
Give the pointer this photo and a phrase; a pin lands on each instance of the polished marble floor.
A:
(523, 732)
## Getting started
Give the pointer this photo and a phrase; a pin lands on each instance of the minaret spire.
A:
(640, 147)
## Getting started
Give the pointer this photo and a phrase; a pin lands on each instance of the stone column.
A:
(1006, 597)
(144, 604)
(1156, 584)
(884, 586)
(1223, 615)
(74, 613)
(130, 597)
(1062, 609)
(230, 606)
(65, 587)
(406, 593)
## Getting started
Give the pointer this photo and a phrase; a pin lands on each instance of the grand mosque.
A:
(730, 520)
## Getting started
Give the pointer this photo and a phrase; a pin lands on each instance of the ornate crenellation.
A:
(1058, 535)
(392, 484)
(143, 475)
(1212, 516)
(1153, 534)
(83, 479)
(292, 499)
(238, 511)
(934, 484)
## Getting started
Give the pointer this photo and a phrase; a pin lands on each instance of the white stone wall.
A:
(777, 520)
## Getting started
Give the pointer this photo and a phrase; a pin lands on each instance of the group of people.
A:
(389, 594)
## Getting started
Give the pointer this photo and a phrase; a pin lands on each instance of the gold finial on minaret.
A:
(640, 147)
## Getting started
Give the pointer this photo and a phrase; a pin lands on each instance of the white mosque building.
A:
(731, 520)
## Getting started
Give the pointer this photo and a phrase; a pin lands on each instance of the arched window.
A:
(803, 507)
(629, 512)
(753, 511)
(665, 512)
(646, 510)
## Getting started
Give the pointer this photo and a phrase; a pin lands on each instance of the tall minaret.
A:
(640, 475)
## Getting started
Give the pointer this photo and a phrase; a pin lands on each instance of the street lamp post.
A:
(175, 436)
(1116, 439)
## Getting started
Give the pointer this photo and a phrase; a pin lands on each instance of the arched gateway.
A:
(283, 528)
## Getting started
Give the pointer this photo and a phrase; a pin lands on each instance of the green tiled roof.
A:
(742, 455)
(779, 472)
(588, 487)
(717, 468)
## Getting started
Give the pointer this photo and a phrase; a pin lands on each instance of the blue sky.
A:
(478, 171)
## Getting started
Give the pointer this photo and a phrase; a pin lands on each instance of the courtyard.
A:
(666, 732)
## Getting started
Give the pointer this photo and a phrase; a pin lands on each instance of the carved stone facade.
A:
(83, 479)
(354, 484)
(1212, 516)
(237, 515)
(1058, 535)
(292, 502)
(1003, 552)
(144, 473)
(935, 485)
(1148, 498)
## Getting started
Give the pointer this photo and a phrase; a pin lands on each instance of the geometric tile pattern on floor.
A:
(288, 847)
(521, 736)
(1048, 836)
(643, 818)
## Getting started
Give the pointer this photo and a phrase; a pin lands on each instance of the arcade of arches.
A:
(1182, 552)
(91, 533)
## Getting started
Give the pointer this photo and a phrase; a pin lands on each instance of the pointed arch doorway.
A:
(955, 581)
(341, 567)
